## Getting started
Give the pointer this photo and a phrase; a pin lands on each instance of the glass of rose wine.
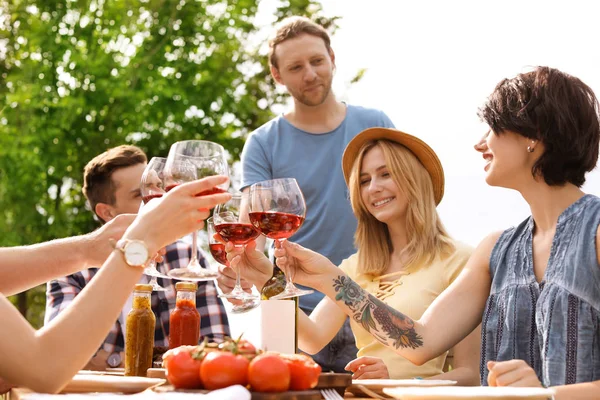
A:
(233, 226)
(151, 187)
(187, 161)
(217, 250)
(277, 210)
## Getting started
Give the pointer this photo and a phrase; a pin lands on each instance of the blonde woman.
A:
(406, 258)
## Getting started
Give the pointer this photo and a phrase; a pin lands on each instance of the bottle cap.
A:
(143, 287)
(186, 286)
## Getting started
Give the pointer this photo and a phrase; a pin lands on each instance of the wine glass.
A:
(187, 161)
(217, 250)
(151, 187)
(277, 210)
(234, 227)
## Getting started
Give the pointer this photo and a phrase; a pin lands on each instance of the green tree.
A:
(80, 76)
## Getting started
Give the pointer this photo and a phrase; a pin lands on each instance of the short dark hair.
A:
(98, 186)
(293, 27)
(555, 108)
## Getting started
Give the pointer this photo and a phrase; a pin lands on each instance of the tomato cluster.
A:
(238, 363)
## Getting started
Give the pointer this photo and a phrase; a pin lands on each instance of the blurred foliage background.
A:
(81, 76)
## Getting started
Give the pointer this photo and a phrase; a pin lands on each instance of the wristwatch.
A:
(135, 252)
(114, 359)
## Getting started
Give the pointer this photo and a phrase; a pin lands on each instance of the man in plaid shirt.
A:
(112, 187)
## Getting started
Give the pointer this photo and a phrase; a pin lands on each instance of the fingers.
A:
(219, 238)
(227, 278)
(250, 246)
(354, 364)
(201, 185)
(374, 371)
(360, 374)
(512, 373)
(205, 202)
(279, 252)
(281, 262)
(227, 272)
(232, 251)
(492, 373)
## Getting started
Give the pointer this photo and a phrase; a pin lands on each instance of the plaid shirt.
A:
(213, 317)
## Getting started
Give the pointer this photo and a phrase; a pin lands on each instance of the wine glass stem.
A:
(238, 278)
(194, 258)
(153, 280)
(287, 270)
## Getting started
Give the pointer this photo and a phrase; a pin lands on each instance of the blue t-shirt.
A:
(280, 150)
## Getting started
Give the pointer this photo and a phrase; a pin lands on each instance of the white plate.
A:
(370, 386)
(374, 383)
(468, 393)
(110, 383)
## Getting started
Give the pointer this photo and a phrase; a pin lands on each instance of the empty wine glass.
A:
(230, 225)
(187, 161)
(277, 210)
(217, 250)
(151, 187)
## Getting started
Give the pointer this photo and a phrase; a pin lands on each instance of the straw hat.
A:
(419, 148)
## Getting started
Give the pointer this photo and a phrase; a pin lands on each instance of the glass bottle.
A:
(184, 323)
(139, 339)
(274, 286)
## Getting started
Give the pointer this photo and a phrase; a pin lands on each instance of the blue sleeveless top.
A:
(555, 325)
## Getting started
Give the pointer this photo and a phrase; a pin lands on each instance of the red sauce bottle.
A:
(184, 323)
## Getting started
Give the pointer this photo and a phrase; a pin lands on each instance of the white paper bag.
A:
(278, 326)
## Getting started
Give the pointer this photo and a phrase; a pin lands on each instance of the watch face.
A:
(136, 253)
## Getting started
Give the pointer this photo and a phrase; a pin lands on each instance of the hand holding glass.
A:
(277, 210)
(217, 249)
(187, 161)
(228, 223)
(151, 187)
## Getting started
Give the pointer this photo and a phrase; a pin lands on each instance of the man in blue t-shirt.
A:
(307, 143)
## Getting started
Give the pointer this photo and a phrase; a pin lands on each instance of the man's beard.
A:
(308, 101)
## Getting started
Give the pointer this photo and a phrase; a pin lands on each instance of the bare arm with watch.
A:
(24, 267)
(73, 337)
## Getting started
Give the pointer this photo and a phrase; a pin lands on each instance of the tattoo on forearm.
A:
(389, 326)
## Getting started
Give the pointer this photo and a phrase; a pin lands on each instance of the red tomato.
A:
(245, 346)
(221, 369)
(304, 372)
(241, 346)
(183, 371)
(269, 373)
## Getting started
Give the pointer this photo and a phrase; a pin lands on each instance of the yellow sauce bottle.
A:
(139, 339)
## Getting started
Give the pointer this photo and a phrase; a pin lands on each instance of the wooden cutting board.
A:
(291, 395)
(339, 382)
(109, 383)
(159, 373)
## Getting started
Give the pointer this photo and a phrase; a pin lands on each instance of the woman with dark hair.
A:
(535, 288)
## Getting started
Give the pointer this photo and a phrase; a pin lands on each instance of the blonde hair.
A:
(427, 237)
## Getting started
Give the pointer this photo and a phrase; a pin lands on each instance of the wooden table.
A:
(23, 394)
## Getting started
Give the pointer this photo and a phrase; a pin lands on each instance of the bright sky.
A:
(431, 64)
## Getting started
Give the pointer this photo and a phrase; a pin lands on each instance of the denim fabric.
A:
(554, 325)
(339, 352)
